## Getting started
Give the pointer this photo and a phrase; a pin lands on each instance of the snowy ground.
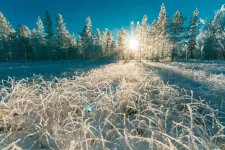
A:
(47, 69)
(206, 80)
(136, 106)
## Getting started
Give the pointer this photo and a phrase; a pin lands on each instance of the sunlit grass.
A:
(133, 109)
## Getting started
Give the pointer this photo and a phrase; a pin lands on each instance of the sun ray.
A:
(133, 44)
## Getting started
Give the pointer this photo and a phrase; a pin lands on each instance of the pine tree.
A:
(80, 47)
(73, 41)
(210, 50)
(142, 35)
(6, 37)
(114, 47)
(98, 44)
(62, 38)
(73, 47)
(154, 41)
(201, 38)
(109, 45)
(212, 36)
(49, 36)
(162, 20)
(34, 44)
(104, 41)
(177, 31)
(88, 39)
(24, 47)
(219, 25)
(122, 43)
(162, 28)
(193, 32)
(40, 33)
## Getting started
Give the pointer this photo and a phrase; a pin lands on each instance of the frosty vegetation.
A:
(163, 39)
(134, 110)
(137, 106)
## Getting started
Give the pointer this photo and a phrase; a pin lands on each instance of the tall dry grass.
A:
(133, 109)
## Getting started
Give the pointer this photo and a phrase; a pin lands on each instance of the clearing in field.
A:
(135, 106)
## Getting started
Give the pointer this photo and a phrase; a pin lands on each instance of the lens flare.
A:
(89, 109)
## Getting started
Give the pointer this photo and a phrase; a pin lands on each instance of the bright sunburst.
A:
(133, 44)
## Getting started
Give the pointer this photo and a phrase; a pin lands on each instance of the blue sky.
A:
(111, 14)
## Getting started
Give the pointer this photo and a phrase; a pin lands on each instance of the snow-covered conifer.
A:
(24, 47)
(49, 36)
(177, 31)
(193, 32)
(122, 43)
(62, 37)
(40, 33)
(6, 39)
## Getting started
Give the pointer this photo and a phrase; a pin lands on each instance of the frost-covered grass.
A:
(133, 109)
(207, 77)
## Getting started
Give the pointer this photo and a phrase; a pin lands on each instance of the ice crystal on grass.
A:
(134, 109)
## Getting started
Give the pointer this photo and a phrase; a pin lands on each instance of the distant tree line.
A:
(44, 43)
(164, 38)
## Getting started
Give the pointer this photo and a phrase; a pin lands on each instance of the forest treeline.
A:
(164, 38)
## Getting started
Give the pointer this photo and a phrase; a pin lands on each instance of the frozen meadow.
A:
(158, 106)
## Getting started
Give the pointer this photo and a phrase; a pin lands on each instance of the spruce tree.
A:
(109, 45)
(122, 43)
(193, 32)
(40, 33)
(73, 41)
(162, 20)
(98, 44)
(88, 39)
(212, 36)
(35, 44)
(219, 25)
(210, 49)
(72, 47)
(6, 38)
(142, 35)
(62, 38)
(177, 31)
(154, 41)
(80, 47)
(162, 28)
(49, 36)
(104, 41)
(23, 45)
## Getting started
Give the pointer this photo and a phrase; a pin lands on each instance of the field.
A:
(157, 106)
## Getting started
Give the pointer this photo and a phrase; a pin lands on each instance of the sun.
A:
(133, 44)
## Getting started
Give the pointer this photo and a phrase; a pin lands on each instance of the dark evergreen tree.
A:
(62, 38)
(40, 34)
(87, 39)
(80, 47)
(177, 31)
(34, 44)
(193, 32)
(23, 44)
(98, 44)
(210, 50)
(6, 39)
(49, 36)
(72, 52)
